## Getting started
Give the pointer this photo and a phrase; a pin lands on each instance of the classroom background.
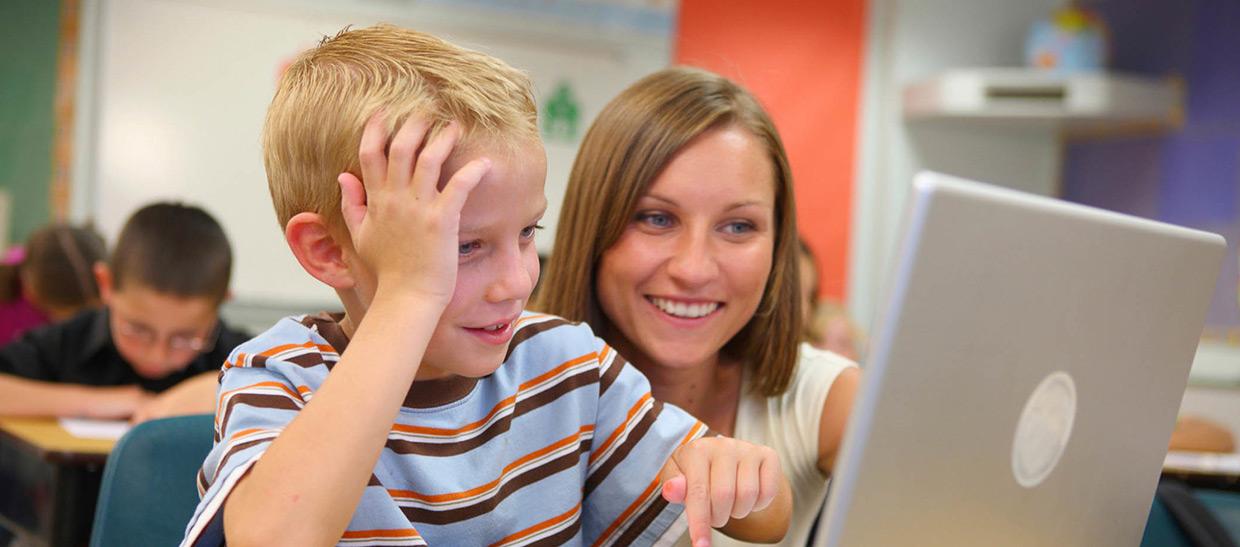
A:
(108, 104)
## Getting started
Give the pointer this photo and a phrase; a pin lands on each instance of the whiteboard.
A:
(179, 89)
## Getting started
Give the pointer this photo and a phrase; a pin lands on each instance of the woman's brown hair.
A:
(635, 136)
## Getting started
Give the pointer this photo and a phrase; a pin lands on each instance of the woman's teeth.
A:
(495, 327)
(680, 309)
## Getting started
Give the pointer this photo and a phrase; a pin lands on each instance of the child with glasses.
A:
(154, 348)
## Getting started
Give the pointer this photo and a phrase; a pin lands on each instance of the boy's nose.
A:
(512, 280)
(159, 354)
(693, 262)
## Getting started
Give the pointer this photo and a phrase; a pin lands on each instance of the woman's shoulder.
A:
(814, 364)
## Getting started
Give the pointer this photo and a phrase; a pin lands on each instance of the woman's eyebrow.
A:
(732, 207)
(657, 197)
(748, 203)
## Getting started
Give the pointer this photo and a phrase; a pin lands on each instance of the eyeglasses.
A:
(181, 343)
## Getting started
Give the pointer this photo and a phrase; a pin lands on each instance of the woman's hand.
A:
(724, 483)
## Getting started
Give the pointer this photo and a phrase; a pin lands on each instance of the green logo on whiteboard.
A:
(561, 115)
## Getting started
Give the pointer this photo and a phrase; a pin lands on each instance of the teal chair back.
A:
(148, 492)
(1161, 529)
(1182, 516)
(1225, 506)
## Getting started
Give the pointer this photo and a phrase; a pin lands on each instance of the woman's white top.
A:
(788, 424)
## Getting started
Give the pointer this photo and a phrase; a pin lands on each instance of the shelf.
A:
(1079, 104)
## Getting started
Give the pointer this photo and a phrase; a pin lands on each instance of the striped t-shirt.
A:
(561, 444)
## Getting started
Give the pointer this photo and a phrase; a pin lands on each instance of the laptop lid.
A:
(1025, 373)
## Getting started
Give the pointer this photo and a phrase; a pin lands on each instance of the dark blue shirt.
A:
(79, 350)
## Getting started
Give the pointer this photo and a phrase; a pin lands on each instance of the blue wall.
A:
(1190, 176)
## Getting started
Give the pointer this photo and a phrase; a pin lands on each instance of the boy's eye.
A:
(467, 248)
(655, 219)
(529, 231)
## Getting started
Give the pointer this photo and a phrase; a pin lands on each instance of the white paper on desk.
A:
(1203, 462)
(84, 428)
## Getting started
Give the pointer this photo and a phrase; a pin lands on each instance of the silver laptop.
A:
(1025, 374)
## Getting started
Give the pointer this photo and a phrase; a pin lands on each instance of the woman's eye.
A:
(467, 248)
(737, 228)
(657, 220)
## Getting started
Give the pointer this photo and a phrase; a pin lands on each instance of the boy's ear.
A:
(317, 251)
(103, 279)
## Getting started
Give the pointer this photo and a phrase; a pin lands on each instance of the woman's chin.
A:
(684, 359)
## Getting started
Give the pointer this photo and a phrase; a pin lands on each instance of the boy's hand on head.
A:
(402, 226)
(718, 479)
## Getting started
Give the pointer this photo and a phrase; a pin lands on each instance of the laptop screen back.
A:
(1025, 374)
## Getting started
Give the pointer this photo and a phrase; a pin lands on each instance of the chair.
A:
(1225, 506)
(1161, 529)
(1191, 517)
(148, 492)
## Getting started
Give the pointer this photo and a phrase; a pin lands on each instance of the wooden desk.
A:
(49, 481)
(1204, 469)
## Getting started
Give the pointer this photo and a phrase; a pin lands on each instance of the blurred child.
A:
(827, 325)
(1198, 434)
(156, 345)
(407, 174)
(49, 279)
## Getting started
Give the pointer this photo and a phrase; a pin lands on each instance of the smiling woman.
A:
(687, 273)
(677, 242)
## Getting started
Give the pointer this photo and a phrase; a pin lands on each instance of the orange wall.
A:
(803, 60)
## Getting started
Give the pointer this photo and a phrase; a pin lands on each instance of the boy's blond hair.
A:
(315, 121)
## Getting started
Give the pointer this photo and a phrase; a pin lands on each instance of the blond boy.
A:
(453, 417)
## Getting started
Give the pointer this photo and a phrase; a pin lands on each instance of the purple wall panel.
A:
(1213, 72)
(1120, 175)
(1170, 24)
(1189, 177)
(1200, 176)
